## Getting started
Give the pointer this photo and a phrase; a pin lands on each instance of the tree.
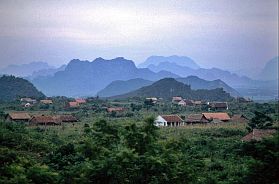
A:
(260, 121)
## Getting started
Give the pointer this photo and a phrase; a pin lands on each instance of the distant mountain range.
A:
(46, 72)
(25, 70)
(208, 74)
(266, 87)
(169, 87)
(270, 71)
(120, 87)
(84, 78)
(12, 88)
(179, 60)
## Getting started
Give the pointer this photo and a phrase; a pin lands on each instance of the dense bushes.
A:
(129, 152)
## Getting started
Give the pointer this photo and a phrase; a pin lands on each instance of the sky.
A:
(228, 34)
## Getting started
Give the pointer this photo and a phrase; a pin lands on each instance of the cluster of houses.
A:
(211, 105)
(29, 102)
(202, 118)
(25, 117)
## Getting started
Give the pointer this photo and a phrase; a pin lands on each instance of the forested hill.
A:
(169, 87)
(12, 88)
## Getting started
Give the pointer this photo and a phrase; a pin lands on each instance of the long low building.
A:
(222, 116)
(169, 120)
(18, 117)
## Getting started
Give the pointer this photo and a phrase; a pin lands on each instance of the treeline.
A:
(114, 152)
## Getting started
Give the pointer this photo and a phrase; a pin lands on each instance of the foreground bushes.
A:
(113, 152)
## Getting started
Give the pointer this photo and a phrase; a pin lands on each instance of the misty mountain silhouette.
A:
(179, 60)
(84, 78)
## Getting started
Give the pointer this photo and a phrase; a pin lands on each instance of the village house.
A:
(28, 100)
(189, 102)
(169, 120)
(80, 100)
(258, 135)
(47, 102)
(218, 106)
(222, 116)
(154, 100)
(18, 117)
(196, 118)
(115, 109)
(239, 118)
(43, 120)
(182, 103)
(27, 105)
(73, 104)
(176, 99)
(243, 100)
(198, 102)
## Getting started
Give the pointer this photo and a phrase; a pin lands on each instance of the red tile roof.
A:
(218, 115)
(172, 118)
(258, 134)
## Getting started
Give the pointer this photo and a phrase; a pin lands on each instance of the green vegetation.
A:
(134, 152)
(12, 88)
(125, 147)
(260, 121)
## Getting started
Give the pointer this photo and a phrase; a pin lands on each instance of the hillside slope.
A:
(169, 87)
(198, 83)
(120, 87)
(12, 88)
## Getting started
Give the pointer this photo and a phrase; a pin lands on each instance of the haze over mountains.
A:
(119, 75)
(179, 60)
(168, 87)
(25, 70)
(83, 78)
(270, 71)
(121, 87)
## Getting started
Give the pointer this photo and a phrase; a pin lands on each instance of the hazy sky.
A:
(230, 34)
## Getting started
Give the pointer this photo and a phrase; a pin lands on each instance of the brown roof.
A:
(258, 134)
(42, 119)
(172, 118)
(218, 115)
(19, 116)
(239, 116)
(196, 118)
(65, 118)
(46, 101)
(218, 104)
